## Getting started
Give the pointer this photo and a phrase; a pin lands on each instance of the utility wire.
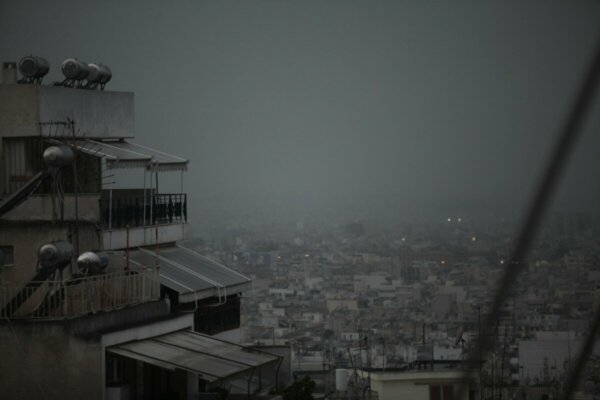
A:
(569, 133)
(582, 358)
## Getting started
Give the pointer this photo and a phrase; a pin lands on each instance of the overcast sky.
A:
(313, 104)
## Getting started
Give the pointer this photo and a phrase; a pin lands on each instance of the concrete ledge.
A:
(183, 321)
(116, 239)
(97, 324)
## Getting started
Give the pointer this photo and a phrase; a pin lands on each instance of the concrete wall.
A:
(96, 113)
(19, 112)
(66, 359)
(116, 239)
(41, 360)
(400, 390)
(39, 208)
(412, 386)
(26, 239)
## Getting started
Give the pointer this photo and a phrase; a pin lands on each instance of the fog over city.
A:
(384, 108)
(299, 200)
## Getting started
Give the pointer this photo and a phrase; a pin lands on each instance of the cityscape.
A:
(299, 200)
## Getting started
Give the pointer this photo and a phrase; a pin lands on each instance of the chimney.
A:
(9, 72)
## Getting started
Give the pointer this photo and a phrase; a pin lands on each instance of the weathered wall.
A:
(66, 359)
(96, 113)
(39, 208)
(414, 386)
(42, 360)
(19, 112)
(26, 238)
(145, 236)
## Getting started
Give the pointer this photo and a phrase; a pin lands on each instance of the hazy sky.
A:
(303, 104)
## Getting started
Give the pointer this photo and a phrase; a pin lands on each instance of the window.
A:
(6, 256)
(437, 392)
(448, 392)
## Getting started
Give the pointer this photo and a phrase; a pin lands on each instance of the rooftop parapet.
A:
(53, 111)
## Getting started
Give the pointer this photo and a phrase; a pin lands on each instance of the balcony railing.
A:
(134, 211)
(68, 299)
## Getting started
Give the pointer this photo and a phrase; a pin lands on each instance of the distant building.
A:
(423, 384)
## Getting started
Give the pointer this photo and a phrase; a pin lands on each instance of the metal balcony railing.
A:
(77, 297)
(134, 211)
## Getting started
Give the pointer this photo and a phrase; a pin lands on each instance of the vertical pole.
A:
(144, 212)
(181, 198)
(151, 203)
(156, 239)
(75, 190)
(156, 176)
(127, 249)
(110, 204)
(480, 360)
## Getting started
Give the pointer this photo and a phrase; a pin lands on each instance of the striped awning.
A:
(124, 154)
(211, 358)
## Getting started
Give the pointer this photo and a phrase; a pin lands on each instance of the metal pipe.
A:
(151, 203)
(127, 249)
(144, 212)
(75, 191)
(250, 379)
(110, 209)
(181, 199)
(277, 373)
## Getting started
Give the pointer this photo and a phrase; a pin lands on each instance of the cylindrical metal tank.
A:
(73, 68)
(342, 376)
(93, 262)
(58, 156)
(99, 73)
(33, 67)
(55, 254)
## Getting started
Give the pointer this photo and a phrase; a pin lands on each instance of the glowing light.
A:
(443, 262)
(501, 261)
(449, 219)
(474, 238)
(460, 220)
(404, 239)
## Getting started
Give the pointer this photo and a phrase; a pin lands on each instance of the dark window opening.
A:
(7, 258)
(213, 318)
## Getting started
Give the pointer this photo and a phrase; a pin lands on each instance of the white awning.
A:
(124, 154)
(211, 358)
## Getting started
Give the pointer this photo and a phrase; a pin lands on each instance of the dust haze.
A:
(373, 108)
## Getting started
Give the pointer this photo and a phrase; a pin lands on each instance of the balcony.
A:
(130, 218)
(131, 207)
(77, 297)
